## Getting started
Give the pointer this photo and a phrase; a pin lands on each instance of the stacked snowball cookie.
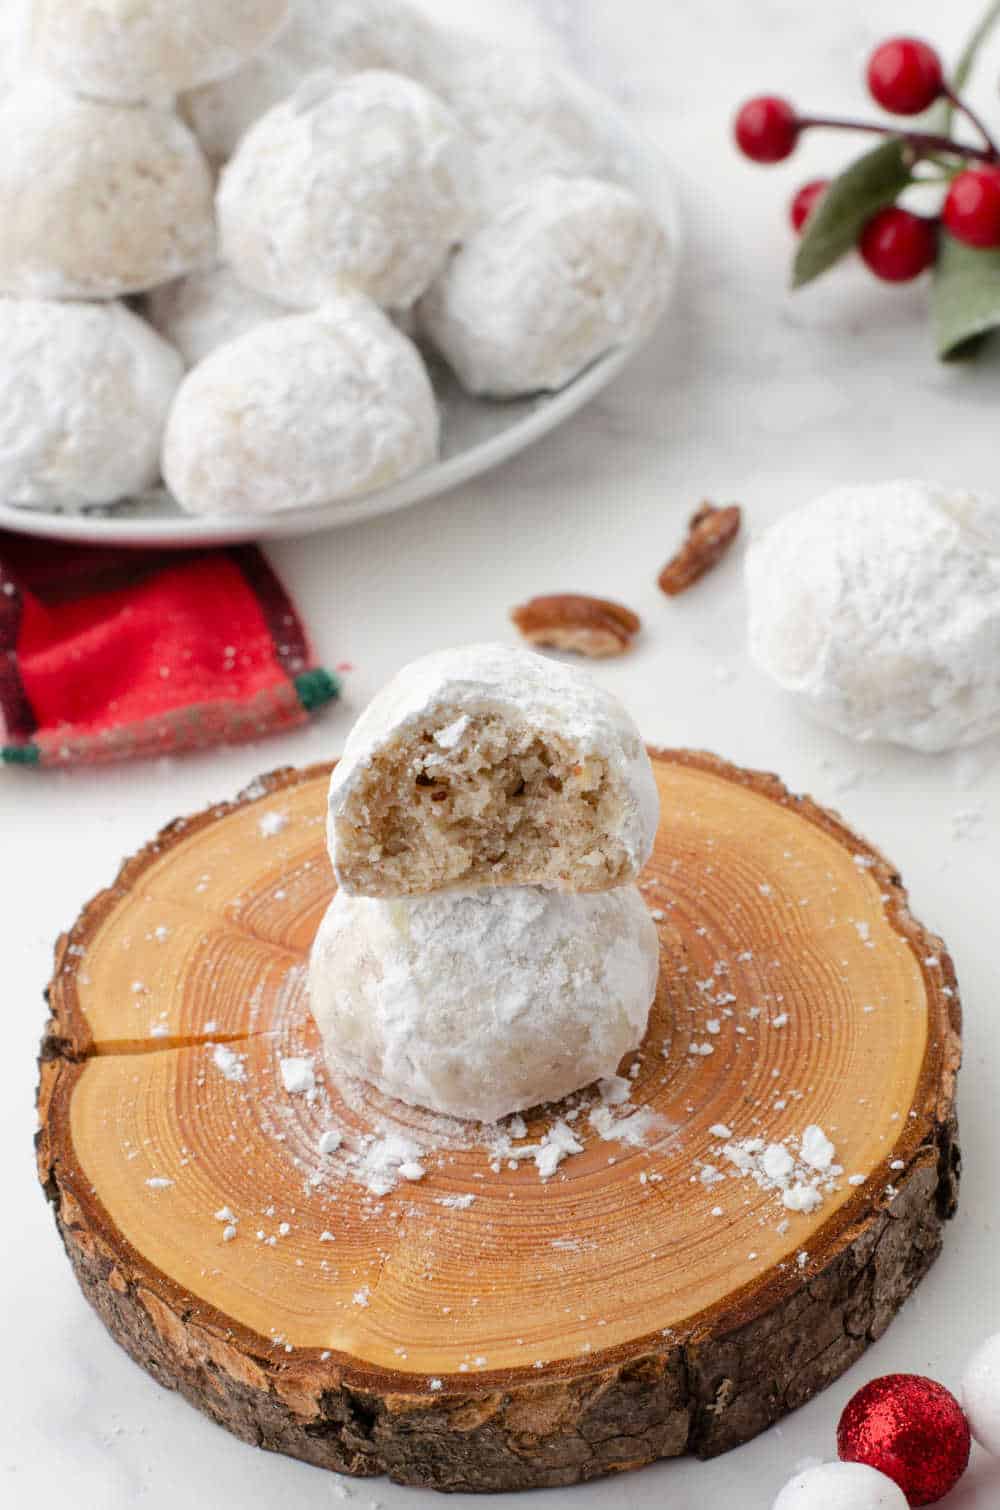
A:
(275, 195)
(488, 949)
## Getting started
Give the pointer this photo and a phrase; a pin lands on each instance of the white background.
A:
(747, 393)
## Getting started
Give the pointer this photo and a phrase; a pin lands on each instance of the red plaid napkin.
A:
(113, 654)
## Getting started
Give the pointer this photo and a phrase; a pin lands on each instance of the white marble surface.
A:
(746, 393)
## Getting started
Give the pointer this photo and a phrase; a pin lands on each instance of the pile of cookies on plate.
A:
(225, 225)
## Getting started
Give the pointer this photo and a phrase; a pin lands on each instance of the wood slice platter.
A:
(483, 1327)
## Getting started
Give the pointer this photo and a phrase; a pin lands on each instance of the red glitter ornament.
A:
(912, 1430)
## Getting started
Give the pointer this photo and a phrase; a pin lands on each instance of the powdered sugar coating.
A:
(97, 200)
(347, 36)
(206, 309)
(302, 410)
(352, 183)
(477, 1004)
(547, 695)
(527, 118)
(566, 270)
(128, 50)
(879, 608)
(84, 394)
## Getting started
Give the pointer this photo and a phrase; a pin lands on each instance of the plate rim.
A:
(193, 530)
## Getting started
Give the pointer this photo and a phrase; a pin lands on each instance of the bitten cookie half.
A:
(490, 766)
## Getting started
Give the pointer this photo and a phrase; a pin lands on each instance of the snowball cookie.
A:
(97, 200)
(879, 607)
(304, 410)
(527, 117)
(84, 394)
(131, 50)
(357, 183)
(568, 269)
(477, 1004)
(488, 765)
(981, 1395)
(348, 36)
(841, 1486)
(206, 309)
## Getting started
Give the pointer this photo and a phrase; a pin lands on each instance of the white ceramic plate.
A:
(477, 434)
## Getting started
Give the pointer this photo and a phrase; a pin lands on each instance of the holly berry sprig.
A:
(860, 209)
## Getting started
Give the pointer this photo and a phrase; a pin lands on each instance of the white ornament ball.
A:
(478, 1004)
(128, 50)
(841, 1486)
(206, 309)
(981, 1395)
(568, 269)
(527, 118)
(879, 608)
(352, 183)
(97, 200)
(84, 395)
(346, 36)
(302, 411)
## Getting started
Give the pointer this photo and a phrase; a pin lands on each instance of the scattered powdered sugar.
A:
(159, 1182)
(298, 1076)
(637, 1129)
(615, 1090)
(801, 1170)
(557, 1144)
(228, 1062)
(271, 824)
(817, 1150)
(455, 1202)
(230, 1231)
(381, 1163)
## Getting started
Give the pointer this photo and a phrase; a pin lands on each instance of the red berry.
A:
(972, 209)
(805, 202)
(905, 75)
(766, 129)
(898, 246)
(912, 1430)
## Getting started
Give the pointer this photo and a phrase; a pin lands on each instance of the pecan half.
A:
(710, 534)
(587, 626)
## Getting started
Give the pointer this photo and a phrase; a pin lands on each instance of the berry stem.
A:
(971, 115)
(922, 141)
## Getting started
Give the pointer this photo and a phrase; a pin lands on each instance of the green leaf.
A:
(940, 116)
(966, 297)
(869, 184)
(964, 66)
